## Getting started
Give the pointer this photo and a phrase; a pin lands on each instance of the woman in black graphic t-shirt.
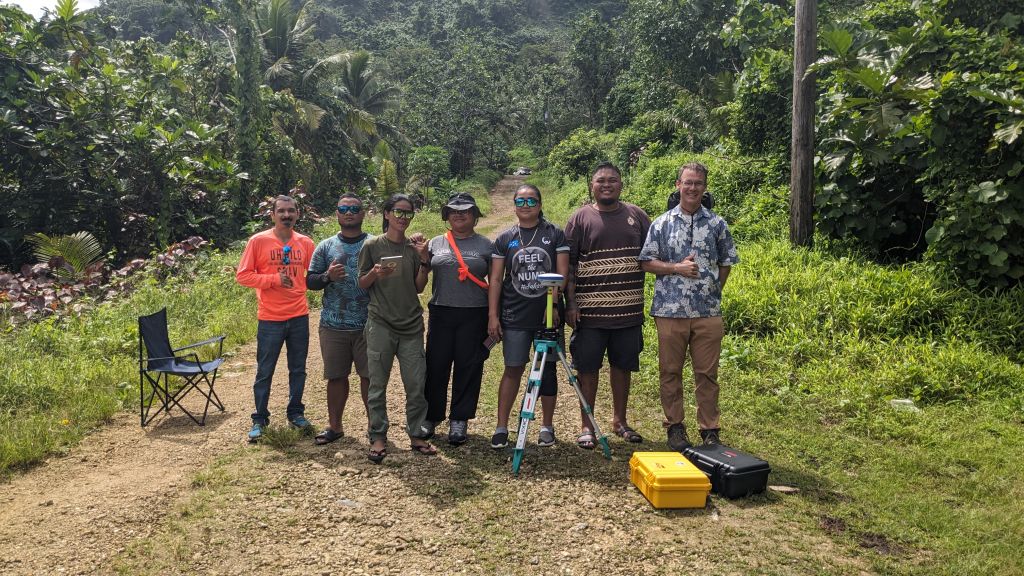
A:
(517, 304)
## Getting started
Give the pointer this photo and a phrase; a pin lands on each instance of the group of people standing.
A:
(483, 292)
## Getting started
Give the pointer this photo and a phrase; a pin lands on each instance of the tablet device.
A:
(391, 262)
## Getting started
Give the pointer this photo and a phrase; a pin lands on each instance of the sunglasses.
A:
(526, 202)
(403, 214)
(349, 209)
(287, 255)
(454, 212)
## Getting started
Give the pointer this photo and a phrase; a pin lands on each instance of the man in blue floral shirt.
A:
(690, 250)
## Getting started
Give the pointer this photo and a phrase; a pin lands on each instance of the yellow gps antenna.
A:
(550, 281)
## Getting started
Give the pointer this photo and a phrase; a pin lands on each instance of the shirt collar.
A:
(702, 212)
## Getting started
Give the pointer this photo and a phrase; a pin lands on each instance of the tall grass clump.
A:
(777, 289)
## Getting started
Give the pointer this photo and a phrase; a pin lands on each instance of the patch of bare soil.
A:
(176, 498)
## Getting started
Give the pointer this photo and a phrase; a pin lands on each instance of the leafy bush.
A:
(809, 294)
(920, 141)
(739, 184)
(578, 153)
(125, 140)
(764, 97)
(429, 164)
(525, 156)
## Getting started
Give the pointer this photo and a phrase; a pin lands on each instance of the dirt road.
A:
(176, 498)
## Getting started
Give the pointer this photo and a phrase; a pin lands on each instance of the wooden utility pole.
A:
(801, 179)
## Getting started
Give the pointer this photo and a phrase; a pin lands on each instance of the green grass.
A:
(816, 347)
(59, 380)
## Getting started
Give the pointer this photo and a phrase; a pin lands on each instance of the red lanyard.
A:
(463, 269)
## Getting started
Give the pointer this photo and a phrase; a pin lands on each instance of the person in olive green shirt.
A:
(393, 269)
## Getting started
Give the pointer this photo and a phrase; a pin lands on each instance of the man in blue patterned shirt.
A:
(690, 250)
(334, 269)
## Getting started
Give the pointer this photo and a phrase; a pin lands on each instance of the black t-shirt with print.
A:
(527, 252)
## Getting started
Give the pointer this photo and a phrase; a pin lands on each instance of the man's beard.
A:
(607, 201)
(356, 226)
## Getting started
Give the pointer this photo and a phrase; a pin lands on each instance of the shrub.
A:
(742, 186)
(920, 146)
(759, 117)
(781, 291)
(579, 152)
(525, 156)
(429, 164)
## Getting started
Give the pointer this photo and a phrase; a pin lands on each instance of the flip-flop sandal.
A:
(424, 449)
(327, 436)
(585, 441)
(377, 456)
(629, 435)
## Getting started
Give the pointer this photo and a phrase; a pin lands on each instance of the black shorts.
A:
(588, 346)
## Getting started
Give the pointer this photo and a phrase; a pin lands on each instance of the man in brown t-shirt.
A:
(606, 294)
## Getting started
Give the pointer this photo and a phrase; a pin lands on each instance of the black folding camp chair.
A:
(161, 362)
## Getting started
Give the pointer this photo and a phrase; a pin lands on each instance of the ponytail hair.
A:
(390, 204)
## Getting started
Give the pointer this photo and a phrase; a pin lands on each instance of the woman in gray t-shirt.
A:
(457, 324)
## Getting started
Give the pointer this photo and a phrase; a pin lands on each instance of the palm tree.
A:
(343, 83)
(285, 33)
(364, 97)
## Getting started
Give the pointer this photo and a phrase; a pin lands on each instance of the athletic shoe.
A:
(677, 439)
(255, 433)
(457, 432)
(301, 423)
(499, 440)
(427, 430)
(546, 437)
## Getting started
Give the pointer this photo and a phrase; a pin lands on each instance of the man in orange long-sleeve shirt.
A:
(274, 263)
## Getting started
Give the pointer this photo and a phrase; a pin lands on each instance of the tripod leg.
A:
(528, 409)
(601, 438)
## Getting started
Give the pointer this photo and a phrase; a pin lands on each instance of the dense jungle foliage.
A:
(145, 122)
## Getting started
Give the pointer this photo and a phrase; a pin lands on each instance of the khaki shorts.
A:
(340, 349)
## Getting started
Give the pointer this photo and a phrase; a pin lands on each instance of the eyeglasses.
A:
(526, 202)
(286, 259)
(454, 212)
(348, 209)
(403, 214)
(693, 183)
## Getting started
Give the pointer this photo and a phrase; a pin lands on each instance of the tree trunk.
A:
(801, 196)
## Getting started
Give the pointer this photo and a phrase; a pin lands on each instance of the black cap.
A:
(460, 201)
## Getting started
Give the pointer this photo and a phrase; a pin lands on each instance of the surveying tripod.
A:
(546, 342)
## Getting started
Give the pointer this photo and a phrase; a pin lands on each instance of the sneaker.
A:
(301, 423)
(255, 433)
(499, 440)
(457, 432)
(546, 437)
(677, 439)
(427, 430)
(710, 437)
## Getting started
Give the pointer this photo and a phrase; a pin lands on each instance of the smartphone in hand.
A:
(491, 342)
